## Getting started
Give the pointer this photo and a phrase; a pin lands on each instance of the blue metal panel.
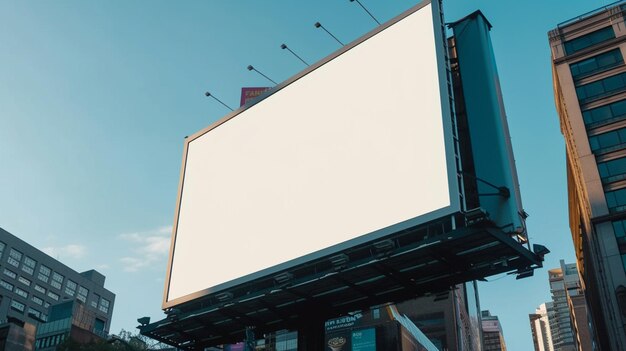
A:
(488, 128)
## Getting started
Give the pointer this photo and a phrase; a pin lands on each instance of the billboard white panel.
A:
(354, 148)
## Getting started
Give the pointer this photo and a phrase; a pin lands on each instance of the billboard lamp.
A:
(251, 68)
(369, 13)
(339, 260)
(225, 296)
(283, 277)
(384, 245)
(319, 25)
(285, 47)
(207, 94)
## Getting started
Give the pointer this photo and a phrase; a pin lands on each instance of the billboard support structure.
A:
(386, 261)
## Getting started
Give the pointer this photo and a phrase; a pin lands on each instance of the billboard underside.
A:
(353, 149)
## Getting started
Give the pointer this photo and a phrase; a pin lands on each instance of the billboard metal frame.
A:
(452, 169)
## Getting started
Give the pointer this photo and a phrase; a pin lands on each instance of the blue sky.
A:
(97, 96)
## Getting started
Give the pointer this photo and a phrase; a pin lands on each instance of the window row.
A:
(49, 341)
(609, 141)
(613, 170)
(601, 88)
(588, 40)
(596, 64)
(605, 114)
(616, 200)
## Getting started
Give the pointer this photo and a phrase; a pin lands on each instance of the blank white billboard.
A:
(352, 149)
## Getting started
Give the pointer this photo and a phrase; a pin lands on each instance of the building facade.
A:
(31, 282)
(493, 337)
(590, 93)
(540, 328)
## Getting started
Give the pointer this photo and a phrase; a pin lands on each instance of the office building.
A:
(590, 93)
(493, 337)
(540, 328)
(562, 324)
(32, 282)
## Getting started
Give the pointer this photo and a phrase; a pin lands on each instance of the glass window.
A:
(104, 305)
(609, 141)
(9, 273)
(2, 246)
(605, 114)
(57, 280)
(24, 281)
(44, 317)
(601, 88)
(53, 296)
(82, 294)
(70, 287)
(596, 64)
(29, 265)
(40, 289)
(21, 292)
(587, 40)
(37, 300)
(46, 304)
(613, 170)
(34, 312)
(6, 285)
(17, 306)
(616, 200)
(44, 273)
(94, 300)
(15, 257)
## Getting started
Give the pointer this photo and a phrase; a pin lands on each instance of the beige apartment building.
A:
(590, 93)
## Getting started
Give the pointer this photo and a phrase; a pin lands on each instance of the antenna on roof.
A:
(366, 10)
(251, 68)
(207, 94)
(284, 46)
(319, 25)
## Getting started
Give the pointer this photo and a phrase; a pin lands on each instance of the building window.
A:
(15, 257)
(24, 281)
(82, 294)
(613, 170)
(37, 300)
(104, 305)
(33, 312)
(57, 280)
(619, 227)
(40, 289)
(44, 317)
(53, 296)
(616, 200)
(2, 246)
(29, 265)
(46, 304)
(601, 88)
(6, 285)
(44, 273)
(70, 287)
(9, 273)
(588, 40)
(94, 300)
(18, 306)
(596, 64)
(606, 114)
(21, 292)
(609, 141)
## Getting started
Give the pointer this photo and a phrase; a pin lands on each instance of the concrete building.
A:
(590, 92)
(31, 282)
(561, 279)
(562, 324)
(493, 337)
(540, 327)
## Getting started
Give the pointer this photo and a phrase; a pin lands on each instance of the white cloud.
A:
(152, 246)
(68, 251)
